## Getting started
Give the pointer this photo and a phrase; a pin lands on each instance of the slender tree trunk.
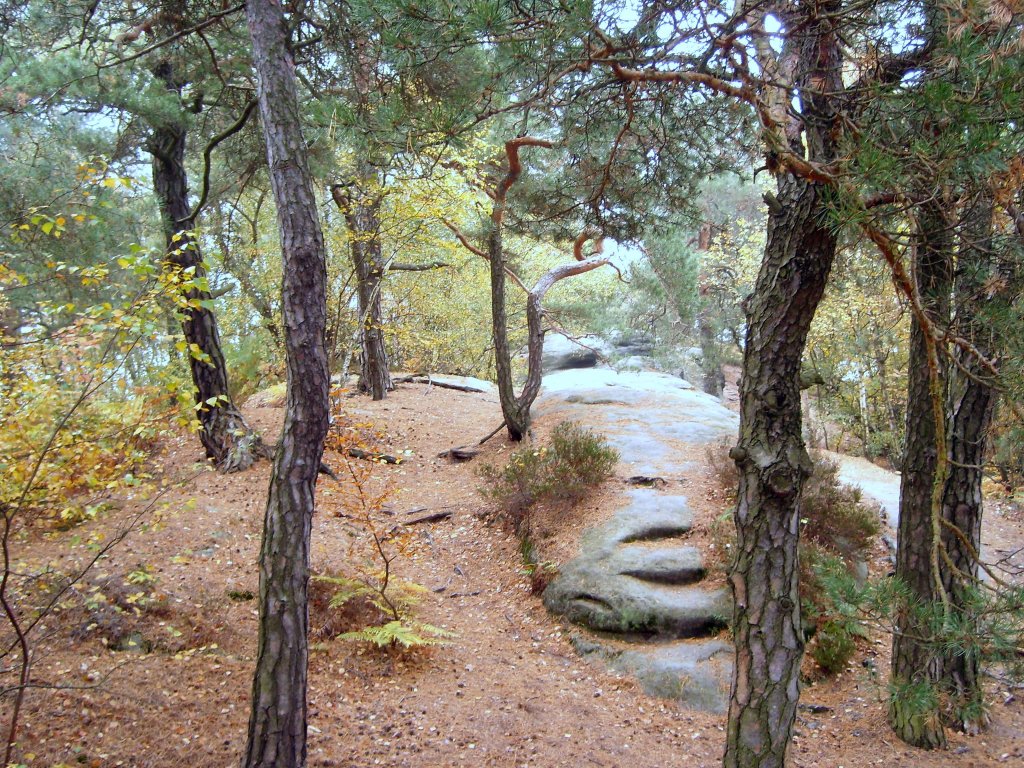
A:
(278, 721)
(711, 358)
(363, 219)
(971, 407)
(515, 411)
(228, 440)
(916, 662)
(771, 457)
(516, 408)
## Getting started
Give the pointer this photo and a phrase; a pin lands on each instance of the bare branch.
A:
(563, 271)
(227, 133)
(482, 253)
(400, 267)
(515, 169)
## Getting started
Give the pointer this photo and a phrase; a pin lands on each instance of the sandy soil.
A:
(507, 691)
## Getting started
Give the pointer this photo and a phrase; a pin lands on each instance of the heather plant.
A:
(571, 465)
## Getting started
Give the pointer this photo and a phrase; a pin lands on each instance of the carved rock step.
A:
(696, 673)
(665, 565)
(630, 606)
(649, 516)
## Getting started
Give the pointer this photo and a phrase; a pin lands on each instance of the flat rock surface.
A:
(698, 672)
(877, 484)
(644, 415)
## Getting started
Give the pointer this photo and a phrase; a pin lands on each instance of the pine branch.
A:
(213, 17)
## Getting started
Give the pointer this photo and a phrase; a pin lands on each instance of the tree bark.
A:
(516, 412)
(773, 464)
(361, 208)
(278, 721)
(771, 457)
(972, 403)
(227, 439)
(915, 658)
(516, 408)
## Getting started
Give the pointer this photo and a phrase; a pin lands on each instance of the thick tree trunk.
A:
(773, 464)
(971, 416)
(971, 407)
(916, 662)
(228, 440)
(771, 457)
(278, 722)
(363, 219)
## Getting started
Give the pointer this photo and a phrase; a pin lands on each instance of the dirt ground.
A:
(507, 690)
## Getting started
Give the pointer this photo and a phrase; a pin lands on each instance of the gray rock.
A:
(877, 484)
(562, 353)
(662, 565)
(698, 674)
(635, 577)
(635, 363)
(638, 344)
(626, 605)
(649, 516)
(631, 577)
(640, 414)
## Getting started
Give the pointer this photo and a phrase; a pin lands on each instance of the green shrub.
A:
(576, 461)
(830, 600)
(833, 646)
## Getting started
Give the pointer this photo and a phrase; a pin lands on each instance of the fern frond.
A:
(408, 635)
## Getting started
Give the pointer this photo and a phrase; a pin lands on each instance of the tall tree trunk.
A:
(971, 406)
(361, 208)
(228, 440)
(771, 457)
(278, 721)
(773, 464)
(916, 662)
(516, 411)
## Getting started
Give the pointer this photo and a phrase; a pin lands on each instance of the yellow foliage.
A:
(75, 430)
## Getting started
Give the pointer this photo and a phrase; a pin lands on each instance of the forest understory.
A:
(151, 665)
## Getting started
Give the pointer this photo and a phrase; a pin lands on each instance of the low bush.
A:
(833, 515)
(576, 461)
